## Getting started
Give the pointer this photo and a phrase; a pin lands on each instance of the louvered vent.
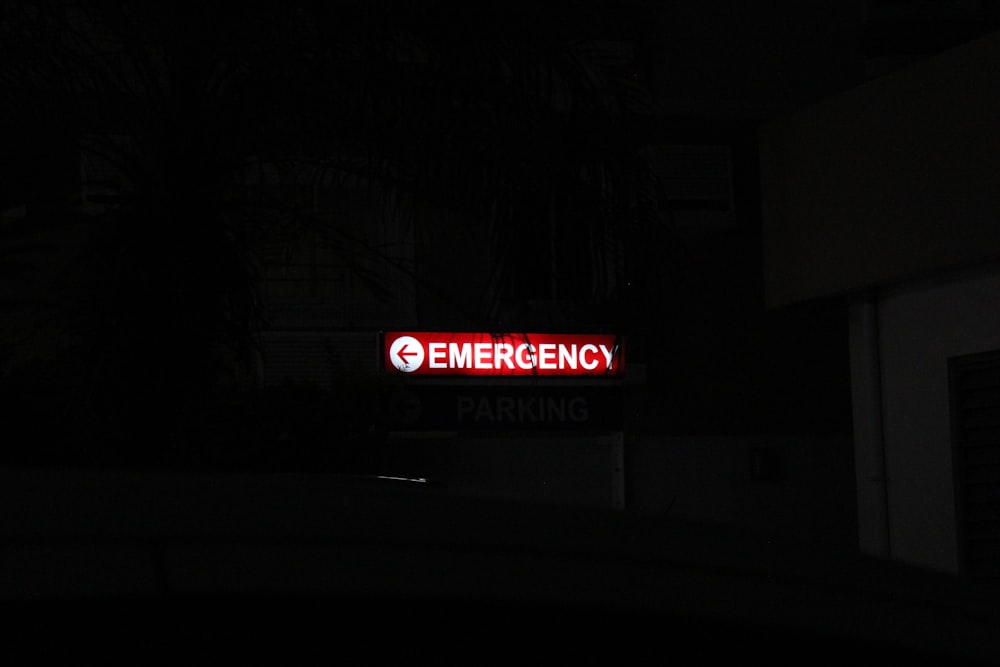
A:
(975, 390)
(318, 357)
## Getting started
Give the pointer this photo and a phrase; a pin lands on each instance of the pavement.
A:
(402, 554)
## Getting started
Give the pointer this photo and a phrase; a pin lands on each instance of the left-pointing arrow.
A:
(405, 352)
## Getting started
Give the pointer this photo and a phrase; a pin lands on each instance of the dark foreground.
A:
(195, 565)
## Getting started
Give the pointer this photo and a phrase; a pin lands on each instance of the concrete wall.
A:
(798, 487)
(570, 469)
(921, 325)
(890, 181)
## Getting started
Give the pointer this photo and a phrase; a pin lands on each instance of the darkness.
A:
(515, 139)
(152, 309)
(188, 192)
(179, 181)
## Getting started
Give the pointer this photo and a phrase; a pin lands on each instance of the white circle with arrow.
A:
(406, 354)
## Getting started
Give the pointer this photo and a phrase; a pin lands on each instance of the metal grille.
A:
(975, 396)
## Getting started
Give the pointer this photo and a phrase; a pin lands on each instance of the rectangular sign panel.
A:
(488, 408)
(440, 353)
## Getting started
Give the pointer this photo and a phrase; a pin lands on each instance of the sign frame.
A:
(503, 355)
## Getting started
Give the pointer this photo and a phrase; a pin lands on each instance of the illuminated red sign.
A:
(438, 353)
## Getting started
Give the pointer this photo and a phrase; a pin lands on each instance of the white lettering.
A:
(503, 352)
(483, 355)
(513, 358)
(459, 357)
(608, 355)
(567, 356)
(547, 356)
(525, 356)
(437, 356)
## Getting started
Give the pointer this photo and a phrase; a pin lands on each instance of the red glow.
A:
(449, 353)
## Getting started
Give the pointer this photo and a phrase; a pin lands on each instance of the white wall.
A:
(921, 325)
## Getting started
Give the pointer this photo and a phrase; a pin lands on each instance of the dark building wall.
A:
(869, 187)
(718, 359)
(798, 486)
(747, 58)
(717, 362)
(887, 193)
